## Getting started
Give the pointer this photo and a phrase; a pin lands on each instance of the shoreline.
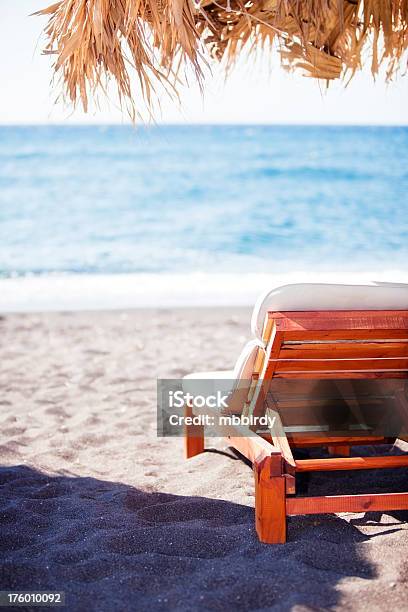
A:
(87, 292)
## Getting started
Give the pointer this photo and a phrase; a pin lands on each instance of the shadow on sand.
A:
(110, 546)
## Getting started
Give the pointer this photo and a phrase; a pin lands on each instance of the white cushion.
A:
(244, 365)
(224, 380)
(319, 296)
(208, 383)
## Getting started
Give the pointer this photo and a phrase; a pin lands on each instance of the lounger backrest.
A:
(337, 344)
(327, 297)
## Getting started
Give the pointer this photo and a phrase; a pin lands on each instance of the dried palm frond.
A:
(95, 40)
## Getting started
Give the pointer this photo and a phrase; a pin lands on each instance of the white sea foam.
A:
(121, 291)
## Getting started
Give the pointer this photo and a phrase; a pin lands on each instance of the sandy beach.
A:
(94, 504)
(164, 165)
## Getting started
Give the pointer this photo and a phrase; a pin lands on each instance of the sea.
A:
(157, 210)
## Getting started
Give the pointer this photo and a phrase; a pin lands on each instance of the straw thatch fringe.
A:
(325, 38)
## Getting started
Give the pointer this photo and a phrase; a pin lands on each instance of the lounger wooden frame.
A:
(306, 345)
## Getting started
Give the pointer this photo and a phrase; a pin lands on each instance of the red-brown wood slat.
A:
(347, 365)
(305, 439)
(296, 406)
(334, 375)
(346, 503)
(344, 350)
(341, 320)
(340, 315)
(325, 335)
(305, 390)
(351, 463)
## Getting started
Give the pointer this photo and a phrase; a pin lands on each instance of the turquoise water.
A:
(206, 198)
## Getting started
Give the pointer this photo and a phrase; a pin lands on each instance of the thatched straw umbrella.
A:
(95, 40)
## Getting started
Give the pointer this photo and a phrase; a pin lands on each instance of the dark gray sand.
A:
(94, 504)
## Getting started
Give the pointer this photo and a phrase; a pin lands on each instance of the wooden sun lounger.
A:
(316, 345)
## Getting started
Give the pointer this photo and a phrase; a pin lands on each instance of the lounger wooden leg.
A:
(343, 450)
(193, 436)
(270, 500)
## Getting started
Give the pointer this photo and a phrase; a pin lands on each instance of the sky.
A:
(252, 95)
